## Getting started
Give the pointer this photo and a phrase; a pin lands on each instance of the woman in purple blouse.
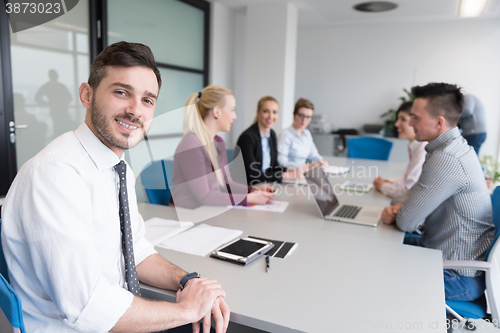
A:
(201, 172)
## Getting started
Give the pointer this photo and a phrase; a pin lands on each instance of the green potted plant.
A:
(391, 114)
(491, 169)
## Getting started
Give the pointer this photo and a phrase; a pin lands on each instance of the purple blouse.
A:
(194, 180)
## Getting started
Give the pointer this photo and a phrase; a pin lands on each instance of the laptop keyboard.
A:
(347, 211)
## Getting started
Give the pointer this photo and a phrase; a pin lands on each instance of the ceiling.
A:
(318, 13)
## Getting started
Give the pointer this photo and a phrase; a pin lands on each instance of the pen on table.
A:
(267, 264)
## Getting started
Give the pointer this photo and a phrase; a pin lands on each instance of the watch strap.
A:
(188, 277)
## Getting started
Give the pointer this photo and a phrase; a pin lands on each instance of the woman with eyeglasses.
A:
(296, 145)
(201, 173)
(258, 145)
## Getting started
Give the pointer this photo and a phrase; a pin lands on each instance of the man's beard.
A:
(103, 128)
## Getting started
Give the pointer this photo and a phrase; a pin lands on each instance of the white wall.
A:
(355, 73)
(221, 51)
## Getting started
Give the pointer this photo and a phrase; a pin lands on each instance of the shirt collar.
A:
(443, 139)
(415, 144)
(265, 137)
(102, 156)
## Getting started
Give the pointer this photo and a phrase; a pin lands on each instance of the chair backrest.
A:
(154, 178)
(369, 147)
(3, 264)
(9, 299)
(493, 257)
(230, 155)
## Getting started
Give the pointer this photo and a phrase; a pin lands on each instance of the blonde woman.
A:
(201, 174)
(258, 145)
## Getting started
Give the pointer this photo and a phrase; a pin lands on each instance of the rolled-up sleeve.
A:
(56, 211)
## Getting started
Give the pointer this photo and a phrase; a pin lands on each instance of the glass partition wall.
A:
(177, 33)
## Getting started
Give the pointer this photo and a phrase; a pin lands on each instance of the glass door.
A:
(49, 62)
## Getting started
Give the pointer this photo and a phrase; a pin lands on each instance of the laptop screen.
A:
(322, 190)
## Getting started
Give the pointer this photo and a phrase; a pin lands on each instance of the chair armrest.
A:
(466, 264)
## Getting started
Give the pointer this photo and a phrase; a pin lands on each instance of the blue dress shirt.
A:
(266, 152)
(295, 150)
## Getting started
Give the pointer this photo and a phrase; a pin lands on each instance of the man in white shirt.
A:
(61, 229)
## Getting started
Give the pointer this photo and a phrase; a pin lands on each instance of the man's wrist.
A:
(186, 278)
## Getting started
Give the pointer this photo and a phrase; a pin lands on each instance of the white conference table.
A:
(341, 278)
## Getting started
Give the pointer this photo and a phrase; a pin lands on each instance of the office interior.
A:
(352, 65)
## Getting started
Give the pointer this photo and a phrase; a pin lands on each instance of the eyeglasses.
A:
(301, 116)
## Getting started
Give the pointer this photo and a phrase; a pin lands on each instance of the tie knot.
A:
(121, 167)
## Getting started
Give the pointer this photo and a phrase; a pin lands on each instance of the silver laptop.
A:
(329, 206)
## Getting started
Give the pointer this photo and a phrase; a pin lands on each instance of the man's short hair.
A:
(122, 54)
(302, 103)
(443, 99)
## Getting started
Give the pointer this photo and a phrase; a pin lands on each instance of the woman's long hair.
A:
(197, 107)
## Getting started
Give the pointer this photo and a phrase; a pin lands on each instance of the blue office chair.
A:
(154, 178)
(369, 147)
(491, 266)
(9, 299)
(230, 155)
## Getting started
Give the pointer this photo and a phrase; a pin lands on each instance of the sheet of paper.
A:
(296, 182)
(336, 170)
(159, 230)
(275, 206)
(201, 240)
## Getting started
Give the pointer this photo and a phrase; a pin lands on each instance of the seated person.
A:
(68, 216)
(296, 145)
(398, 186)
(451, 196)
(258, 145)
(201, 173)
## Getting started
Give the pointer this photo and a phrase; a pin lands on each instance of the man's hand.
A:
(198, 299)
(221, 312)
(378, 182)
(389, 213)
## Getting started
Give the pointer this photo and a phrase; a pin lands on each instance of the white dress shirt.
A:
(295, 150)
(400, 185)
(61, 236)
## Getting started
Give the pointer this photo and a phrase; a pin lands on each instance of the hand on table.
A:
(202, 297)
(389, 213)
(260, 197)
(264, 187)
(378, 182)
(295, 174)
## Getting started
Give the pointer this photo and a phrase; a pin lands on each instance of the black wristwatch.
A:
(188, 277)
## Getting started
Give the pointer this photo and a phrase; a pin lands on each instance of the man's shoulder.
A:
(64, 149)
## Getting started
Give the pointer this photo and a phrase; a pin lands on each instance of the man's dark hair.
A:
(122, 54)
(302, 103)
(443, 100)
(404, 107)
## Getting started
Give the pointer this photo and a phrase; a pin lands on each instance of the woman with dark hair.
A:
(296, 146)
(398, 186)
(258, 145)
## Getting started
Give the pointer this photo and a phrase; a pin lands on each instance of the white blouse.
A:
(400, 185)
